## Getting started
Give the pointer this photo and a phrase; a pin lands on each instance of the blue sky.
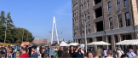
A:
(37, 16)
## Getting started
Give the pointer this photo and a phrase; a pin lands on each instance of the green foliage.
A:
(14, 35)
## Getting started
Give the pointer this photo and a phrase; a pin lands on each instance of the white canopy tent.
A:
(99, 43)
(63, 44)
(128, 42)
(74, 44)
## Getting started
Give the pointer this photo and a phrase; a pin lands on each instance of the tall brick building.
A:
(106, 20)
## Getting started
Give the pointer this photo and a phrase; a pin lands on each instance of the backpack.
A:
(18, 48)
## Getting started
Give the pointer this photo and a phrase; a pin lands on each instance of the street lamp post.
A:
(85, 37)
(5, 30)
(22, 35)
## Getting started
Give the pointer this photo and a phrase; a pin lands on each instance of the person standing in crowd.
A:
(46, 51)
(14, 51)
(18, 51)
(95, 56)
(37, 50)
(24, 53)
(127, 49)
(9, 54)
(124, 56)
(90, 55)
(40, 49)
(60, 51)
(104, 53)
(131, 53)
(5, 51)
(43, 53)
(109, 54)
(85, 55)
(30, 50)
(114, 54)
(65, 53)
(120, 52)
(52, 52)
(99, 52)
(34, 54)
(92, 50)
(71, 51)
(137, 50)
(78, 52)
(2, 55)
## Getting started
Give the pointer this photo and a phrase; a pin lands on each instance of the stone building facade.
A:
(106, 20)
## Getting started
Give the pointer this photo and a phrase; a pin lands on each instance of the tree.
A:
(17, 34)
(2, 17)
(2, 32)
(14, 35)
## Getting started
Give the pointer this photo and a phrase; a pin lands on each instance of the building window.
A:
(110, 41)
(125, 3)
(88, 5)
(109, 7)
(79, 41)
(127, 37)
(127, 17)
(98, 12)
(99, 26)
(85, 17)
(82, 7)
(97, 1)
(116, 39)
(111, 23)
(89, 28)
(118, 3)
(89, 15)
(90, 40)
(75, 32)
(85, 6)
(120, 20)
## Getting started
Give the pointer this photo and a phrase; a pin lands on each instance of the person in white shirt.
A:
(131, 53)
(120, 52)
(109, 54)
(37, 50)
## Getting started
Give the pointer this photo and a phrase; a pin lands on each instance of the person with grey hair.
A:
(109, 54)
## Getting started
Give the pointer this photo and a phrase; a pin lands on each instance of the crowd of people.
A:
(32, 51)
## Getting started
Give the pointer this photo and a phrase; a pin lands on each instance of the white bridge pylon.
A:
(54, 24)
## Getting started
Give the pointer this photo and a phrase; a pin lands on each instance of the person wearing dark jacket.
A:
(60, 52)
(71, 52)
(78, 52)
